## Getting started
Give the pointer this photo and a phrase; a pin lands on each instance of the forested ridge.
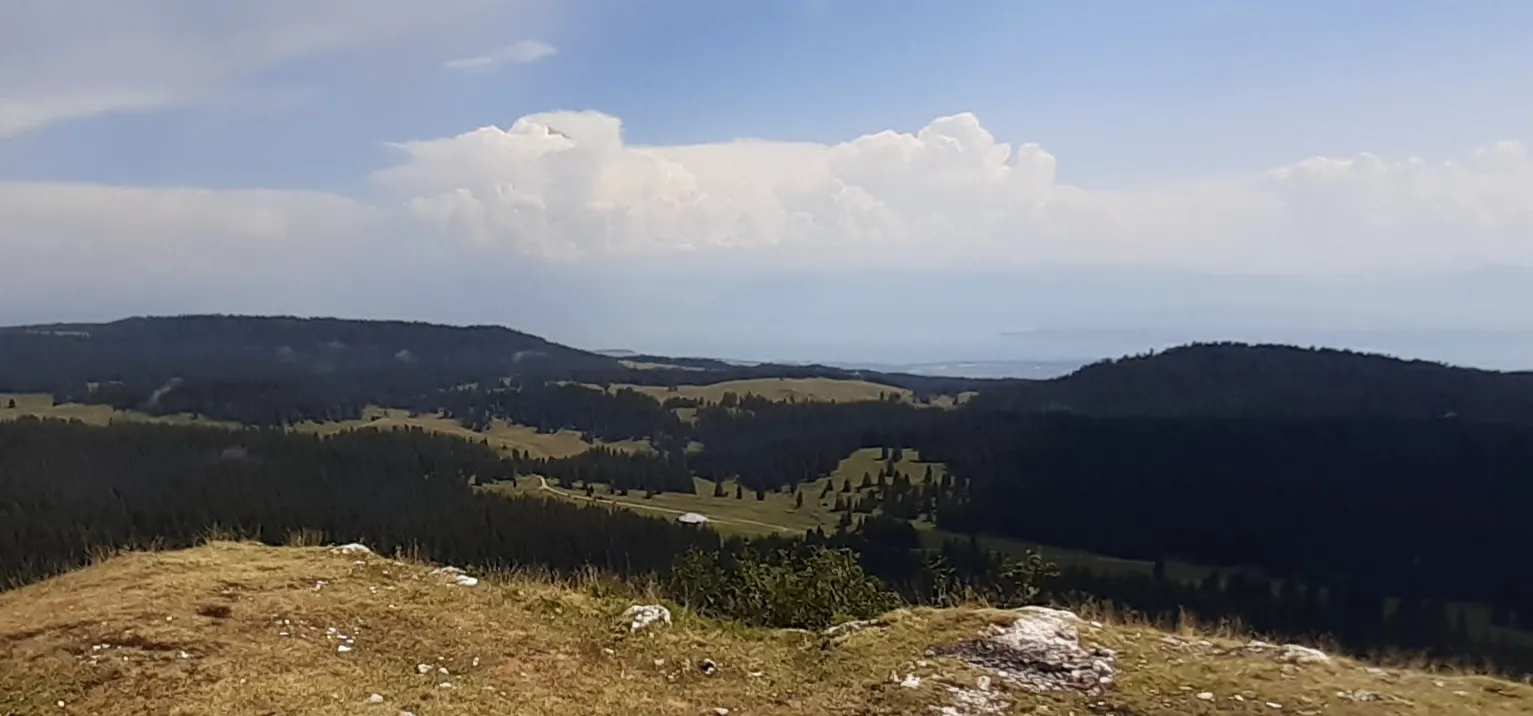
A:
(1375, 491)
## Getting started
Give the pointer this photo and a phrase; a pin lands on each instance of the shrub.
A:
(812, 588)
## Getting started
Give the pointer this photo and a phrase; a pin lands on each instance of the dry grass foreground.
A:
(236, 628)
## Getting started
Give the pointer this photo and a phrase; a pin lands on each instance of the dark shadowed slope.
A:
(1240, 380)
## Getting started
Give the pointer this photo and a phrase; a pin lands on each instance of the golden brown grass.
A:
(237, 629)
(826, 390)
(41, 405)
(501, 435)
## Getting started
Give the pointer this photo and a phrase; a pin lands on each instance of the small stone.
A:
(422, 669)
(375, 699)
(708, 667)
(444, 685)
(1271, 705)
(343, 648)
(720, 711)
(1205, 696)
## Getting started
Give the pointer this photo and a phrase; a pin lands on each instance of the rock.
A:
(720, 711)
(708, 667)
(1205, 696)
(456, 576)
(422, 668)
(375, 699)
(847, 628)
(1360, 695)
(911, 681)
(354, 548)
(968, 702)
(1041, 651)
(1295, 654)
(641, 616)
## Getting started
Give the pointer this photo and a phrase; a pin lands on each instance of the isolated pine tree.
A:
(798, 501)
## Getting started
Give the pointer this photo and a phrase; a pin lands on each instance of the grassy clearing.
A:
(41, 405)
(777, 512)
(240, 629)
(823, 390)
(501, 435)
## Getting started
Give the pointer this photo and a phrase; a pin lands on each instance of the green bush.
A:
(809, 589)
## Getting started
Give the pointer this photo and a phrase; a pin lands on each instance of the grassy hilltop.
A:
(240, 629)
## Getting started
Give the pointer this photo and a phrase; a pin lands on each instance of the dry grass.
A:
(824, 390)
(501, 435)
(240, 629)
(41, 405)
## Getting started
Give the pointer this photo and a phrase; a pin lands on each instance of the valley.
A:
(1149, 482)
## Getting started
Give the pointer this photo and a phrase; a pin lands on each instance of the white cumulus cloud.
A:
(567, 185)
(556, 223)
(520, 53)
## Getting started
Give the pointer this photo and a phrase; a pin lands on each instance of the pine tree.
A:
(867, 481)
(739, 492)
(798, 502)
(846, 486)
(718, 489)
(760, 495)
(927, 479)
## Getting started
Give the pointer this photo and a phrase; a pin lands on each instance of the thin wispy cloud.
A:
(521, 53)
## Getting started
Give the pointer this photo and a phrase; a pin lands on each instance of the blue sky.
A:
(1201, 169)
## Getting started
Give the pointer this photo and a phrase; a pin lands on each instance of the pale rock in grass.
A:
(1302, 655)
(642, 616)
(1205, 696)
(455, 576)
(1041, 651)
(353, 548)
(375, 699)
(911, 681)
(846, 628)
(969, 702)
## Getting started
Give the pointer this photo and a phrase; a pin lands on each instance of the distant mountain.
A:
(1243, 380)
(44, 357)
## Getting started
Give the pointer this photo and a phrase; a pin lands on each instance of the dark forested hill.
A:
(1233, 379)
(251, 347)
(271, 370)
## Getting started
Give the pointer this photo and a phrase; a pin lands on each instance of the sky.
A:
(840, 180)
